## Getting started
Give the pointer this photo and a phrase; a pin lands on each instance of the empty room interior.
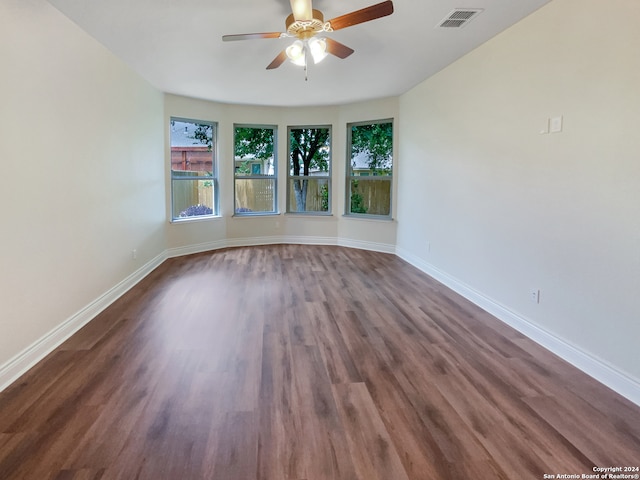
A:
(228, 257)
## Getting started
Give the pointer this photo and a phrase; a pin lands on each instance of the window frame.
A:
(327, 177)
(213, 177)
(274, 177)
(349, 177)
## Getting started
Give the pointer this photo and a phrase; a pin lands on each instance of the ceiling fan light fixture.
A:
(296, 53)
(318, 49)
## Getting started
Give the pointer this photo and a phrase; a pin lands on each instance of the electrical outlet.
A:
(534, 295)
(134, 254)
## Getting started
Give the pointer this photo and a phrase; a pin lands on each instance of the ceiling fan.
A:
(306, 23)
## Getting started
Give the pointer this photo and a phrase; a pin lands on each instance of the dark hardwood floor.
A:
(291, 362)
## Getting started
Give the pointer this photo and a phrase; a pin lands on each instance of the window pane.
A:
(370, 168)
(309, 188)
(372, 148)
(191, 147)
(192, 168)
(192, 198)
(255, 195)
(255, 169)
(308, 194)
(309, 151)
(371, 196)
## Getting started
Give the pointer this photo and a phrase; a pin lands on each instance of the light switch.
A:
(555, 124)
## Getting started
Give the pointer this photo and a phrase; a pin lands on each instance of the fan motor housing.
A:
(305, 28)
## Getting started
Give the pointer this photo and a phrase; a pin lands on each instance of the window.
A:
(309, 177)
(194, 186)
(370, 149)
(255, 169)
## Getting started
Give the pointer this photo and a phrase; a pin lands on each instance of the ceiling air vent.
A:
(459, 17)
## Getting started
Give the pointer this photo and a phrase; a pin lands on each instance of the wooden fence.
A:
(189, 193)
(317, 195)
(257, 195)
(376, 194)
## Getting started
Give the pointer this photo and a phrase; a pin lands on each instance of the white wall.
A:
(83, 175)
(194, 235)
(497, 209)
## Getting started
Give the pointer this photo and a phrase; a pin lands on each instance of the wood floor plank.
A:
(591, 440)
(324, 451)
(83, 474)
(373, 452)
(517, 438)
(279, 449)
(293, 362)
(236, 449)
(341, 367)
(418, 450)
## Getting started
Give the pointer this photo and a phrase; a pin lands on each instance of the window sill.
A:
(201, 218)
(256, 214)
(310, 214)
(370, 218)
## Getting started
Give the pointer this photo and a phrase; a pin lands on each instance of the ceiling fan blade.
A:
(302, 10)
(364, 15)
(250, 36)
(279, 60)
(338, 49)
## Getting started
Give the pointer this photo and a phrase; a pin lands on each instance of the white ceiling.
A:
(176, 45)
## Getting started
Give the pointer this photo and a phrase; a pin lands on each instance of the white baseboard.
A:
(19, 364)
(279, 239)
(592, 366)
(364, 245)
(198, 248)
(248, 242)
